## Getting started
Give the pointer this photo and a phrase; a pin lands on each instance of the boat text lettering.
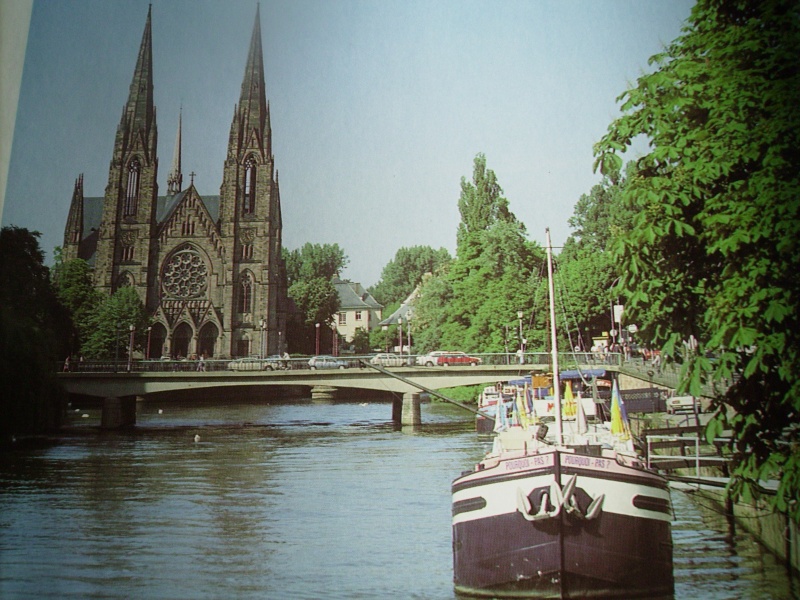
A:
(526, 463)
(586, 461)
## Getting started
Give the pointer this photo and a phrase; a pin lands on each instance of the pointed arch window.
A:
(246, 293)
(132, 191)
(249, 201)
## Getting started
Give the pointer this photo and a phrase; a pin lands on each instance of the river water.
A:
(282, 500)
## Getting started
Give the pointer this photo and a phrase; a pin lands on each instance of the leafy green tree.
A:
(472, 304)
(361, 341)
(404, 273)
(431, 311)
(481, 203)
(587, 271)
(714, 250)
(75, 290)
(310, 273)
(34, 328)
(110, 326)
(314, 261)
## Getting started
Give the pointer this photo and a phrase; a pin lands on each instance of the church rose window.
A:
(185, 275)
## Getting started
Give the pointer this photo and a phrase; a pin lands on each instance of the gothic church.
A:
(208, 269)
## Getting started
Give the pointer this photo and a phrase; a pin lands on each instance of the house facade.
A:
(207, 268)
(357, 309)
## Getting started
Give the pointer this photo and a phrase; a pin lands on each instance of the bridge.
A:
(121, 384)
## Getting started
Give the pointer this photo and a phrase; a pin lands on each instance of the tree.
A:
(110, 325)
(404, 273)
(310, 273)
(481, 203)
(470, 303)
(33, 330)
(714, 250)
(74, 288)
(587, 271)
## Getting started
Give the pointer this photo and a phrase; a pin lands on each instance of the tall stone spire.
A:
(175, 176)
(253, 112)
(138, 117)
(73, 232)
(128, 223)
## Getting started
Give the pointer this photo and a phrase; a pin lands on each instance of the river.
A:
(295, 500)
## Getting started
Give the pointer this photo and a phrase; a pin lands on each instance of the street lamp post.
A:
(317, 346)
(612, 332)
(130, 348)
(263, 337)
(400, 333)
(520, 314)
(147, 351)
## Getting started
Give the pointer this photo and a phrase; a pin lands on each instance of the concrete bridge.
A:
(120, 391)
(120, 388)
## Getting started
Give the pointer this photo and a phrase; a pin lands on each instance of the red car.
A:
(457, 358)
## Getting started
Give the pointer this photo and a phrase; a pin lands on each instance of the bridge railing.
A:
(542, 360)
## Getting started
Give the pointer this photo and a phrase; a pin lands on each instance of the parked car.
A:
(388, 359)
(255, 364)
(431, 359)
(682, 403)
(457, 358)
(326, 362)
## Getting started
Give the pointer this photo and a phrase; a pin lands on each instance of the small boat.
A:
(568, 513)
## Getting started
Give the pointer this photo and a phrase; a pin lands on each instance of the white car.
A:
(255, 364)
(431, 359)
(387, 359)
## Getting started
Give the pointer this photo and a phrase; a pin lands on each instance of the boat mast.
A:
(553, 341)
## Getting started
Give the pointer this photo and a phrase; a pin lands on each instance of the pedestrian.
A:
(66, 365)
(201, 364)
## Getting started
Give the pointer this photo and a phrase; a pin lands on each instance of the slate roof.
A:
(405, 310)
(352, 296)
(93, 214)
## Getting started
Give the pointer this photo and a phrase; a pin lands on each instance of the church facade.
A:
(208, 269)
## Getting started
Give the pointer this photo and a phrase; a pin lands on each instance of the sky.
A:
(378, 107)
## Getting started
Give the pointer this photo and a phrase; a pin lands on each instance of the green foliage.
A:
(316, 299)
(360, 342)
(33, 332)
(466, 394)
(314, 261)
(714, 250)
(404, 273)
(381, 339)
(110, 323)
(310, 272)
(74, 288)
(472, 304)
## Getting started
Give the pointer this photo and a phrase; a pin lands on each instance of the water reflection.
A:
(292, 500)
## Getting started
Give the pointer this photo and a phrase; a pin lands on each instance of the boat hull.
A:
(625, 550)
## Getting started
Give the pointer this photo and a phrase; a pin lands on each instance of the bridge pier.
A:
(118, 412)
(410, 412)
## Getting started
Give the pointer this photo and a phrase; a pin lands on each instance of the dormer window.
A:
(249, 201)
(132, 193)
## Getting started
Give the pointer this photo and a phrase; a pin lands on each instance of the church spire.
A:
(175, 176)
(253, 112)
(139, 109)
(73, 232)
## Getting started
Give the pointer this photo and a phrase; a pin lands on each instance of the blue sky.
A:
(378, 107)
